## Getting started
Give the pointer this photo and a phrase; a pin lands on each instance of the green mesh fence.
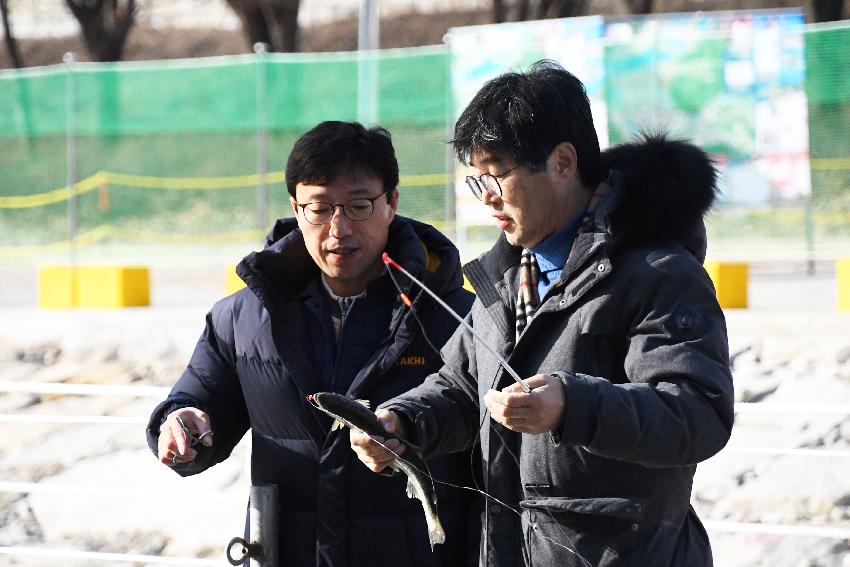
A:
(816, 225)
(167, 153)
(828, 90)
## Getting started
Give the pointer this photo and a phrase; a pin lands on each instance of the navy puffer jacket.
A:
(266, 347)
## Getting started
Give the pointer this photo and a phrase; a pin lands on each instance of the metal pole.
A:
(451, 228)
(263, 524)
(368, 41)
(71, 147)
(810, 236)
(261, 49)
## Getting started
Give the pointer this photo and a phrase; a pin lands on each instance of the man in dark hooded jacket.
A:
(596, 296)
(320, 314)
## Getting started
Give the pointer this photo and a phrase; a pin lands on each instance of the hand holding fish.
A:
(537, 411)
(371, 452)
(384, 425)
(181, 431)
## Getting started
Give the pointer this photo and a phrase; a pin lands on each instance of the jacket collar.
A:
(284, 267)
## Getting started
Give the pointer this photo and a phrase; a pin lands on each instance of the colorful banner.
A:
(479, 53)
(732, 82)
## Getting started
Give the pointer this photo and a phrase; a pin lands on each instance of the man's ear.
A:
(294, 205)
(565, 159)
(394, 200)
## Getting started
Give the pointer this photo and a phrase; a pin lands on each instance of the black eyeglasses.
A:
(487, 182)
(359, 209)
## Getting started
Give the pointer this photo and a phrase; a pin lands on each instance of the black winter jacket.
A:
(268, 346)
(633, 330)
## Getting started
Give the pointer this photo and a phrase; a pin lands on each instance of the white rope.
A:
(84, 389)
(794, 452)
(92, 419)
(162, 392)
(91, 490)
(816, 409)
(103, 556)
(777, 529)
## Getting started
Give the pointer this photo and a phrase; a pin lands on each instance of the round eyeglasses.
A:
(359, 209)
(487, 182)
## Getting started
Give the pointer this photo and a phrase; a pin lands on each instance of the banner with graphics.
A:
(732, 82)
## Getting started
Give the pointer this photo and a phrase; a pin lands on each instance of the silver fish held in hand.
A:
(356, 415)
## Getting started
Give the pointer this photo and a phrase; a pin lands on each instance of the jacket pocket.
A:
(600, 347)
(580, 532)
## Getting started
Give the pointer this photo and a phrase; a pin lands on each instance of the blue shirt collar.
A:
(552, 252)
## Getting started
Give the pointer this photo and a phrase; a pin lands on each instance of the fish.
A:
(356, 415)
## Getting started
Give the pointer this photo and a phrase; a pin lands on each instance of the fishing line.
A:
(532, 525)
(406, 300)
(390, 262)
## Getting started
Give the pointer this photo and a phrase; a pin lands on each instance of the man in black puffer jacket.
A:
(596, 296)
(320, 314)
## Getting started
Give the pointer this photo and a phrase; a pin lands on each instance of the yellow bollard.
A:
(842, 280)
(112, 287)
(102, 287)
(730, 280)
(56, 287)
(233, 282)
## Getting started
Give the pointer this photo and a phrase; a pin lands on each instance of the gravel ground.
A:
(791, 351)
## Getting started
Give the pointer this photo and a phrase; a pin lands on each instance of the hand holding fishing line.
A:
(537, 411)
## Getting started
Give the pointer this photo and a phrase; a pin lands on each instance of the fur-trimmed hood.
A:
(662, 190)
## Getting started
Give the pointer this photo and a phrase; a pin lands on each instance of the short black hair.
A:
(526, 115)
(332, 148)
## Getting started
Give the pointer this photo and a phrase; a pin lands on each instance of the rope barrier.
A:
(80, 419)
(755, 407)
(15, 487)
(106, 178)
(84, 389)
(105, 556)
(777, 529)
(790, 452)
(162, 391)
(830, 163)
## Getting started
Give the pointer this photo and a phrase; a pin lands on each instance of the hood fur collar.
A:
(663, 188)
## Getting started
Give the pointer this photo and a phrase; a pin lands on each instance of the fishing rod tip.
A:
(388, 261)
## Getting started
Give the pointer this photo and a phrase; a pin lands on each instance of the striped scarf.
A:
(527, 299)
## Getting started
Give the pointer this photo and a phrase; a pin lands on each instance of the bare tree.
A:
(105, 25)
(563, 8)
(539, 9)
(274, 22)
(11, 43)
(827, 10)
(639, 6)
(499, 11)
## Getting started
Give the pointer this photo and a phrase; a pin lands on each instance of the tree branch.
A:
(11, 43)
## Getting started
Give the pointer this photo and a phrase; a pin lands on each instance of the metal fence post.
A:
(71, 147)
(263, 524)
(810, 235)
(261, 50)
(368, 41)
(451, 228)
